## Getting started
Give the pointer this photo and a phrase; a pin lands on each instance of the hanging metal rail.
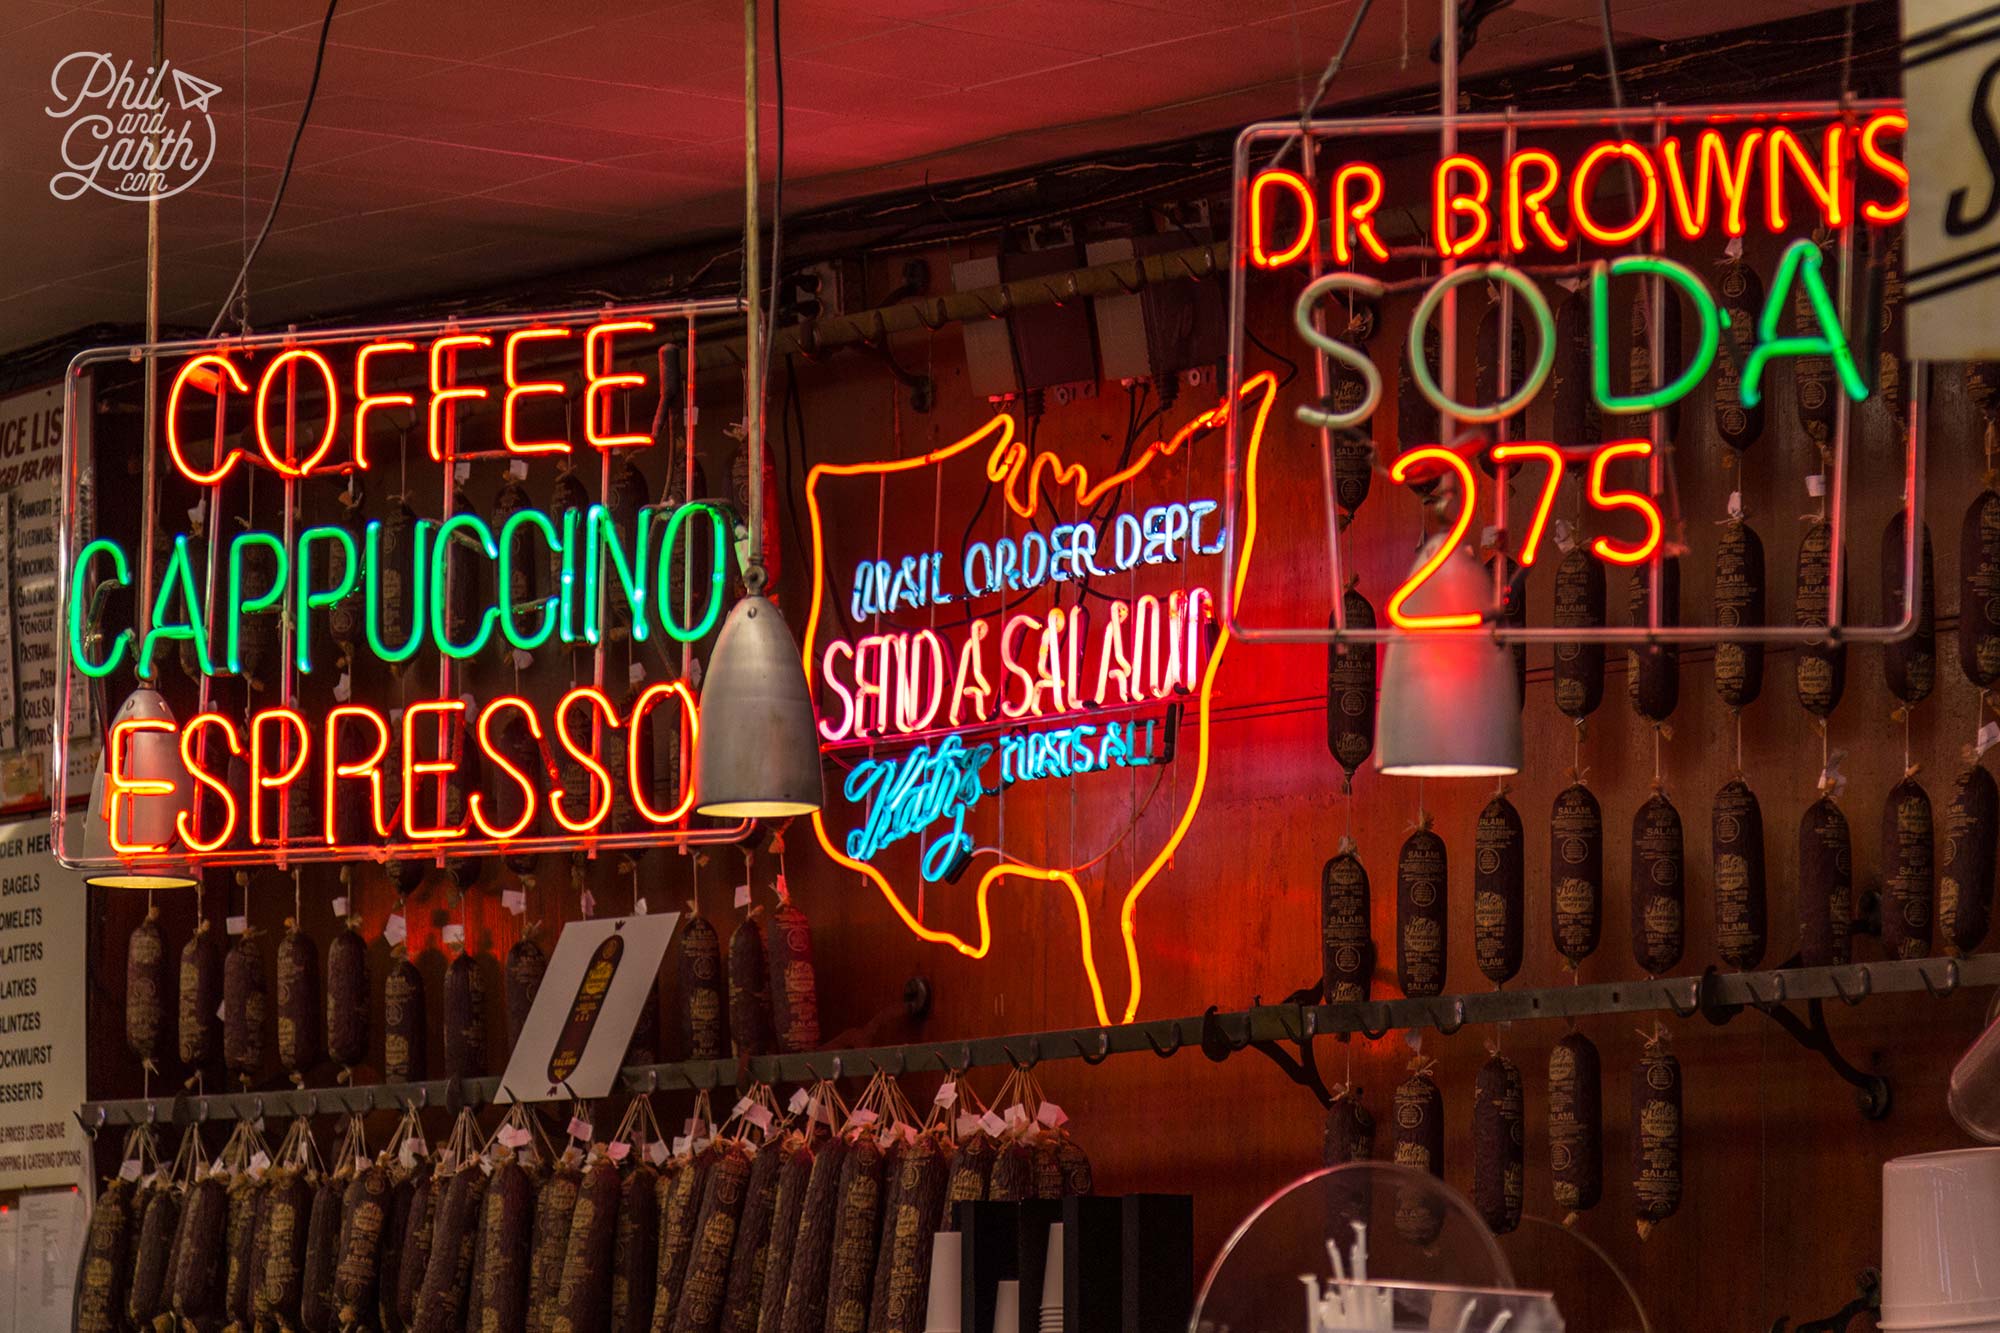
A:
(1715, 995)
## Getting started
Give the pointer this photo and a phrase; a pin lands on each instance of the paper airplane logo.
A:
(193, 92)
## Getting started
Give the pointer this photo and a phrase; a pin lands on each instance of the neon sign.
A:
(308, 772)
(1591, 201)
(969, 672)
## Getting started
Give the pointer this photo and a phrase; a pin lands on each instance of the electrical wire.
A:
(777, 187)
(1611, 55)
(285, 176)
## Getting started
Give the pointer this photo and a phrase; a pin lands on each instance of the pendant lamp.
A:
(757, 756)
(151, 756)
(1449, 706)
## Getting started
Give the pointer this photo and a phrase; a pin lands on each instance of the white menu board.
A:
(53, 1223)
(10, 1266)
(31, 425)
(43, 955)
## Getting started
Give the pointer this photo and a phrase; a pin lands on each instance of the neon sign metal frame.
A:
(302, 346)
(1242, 453)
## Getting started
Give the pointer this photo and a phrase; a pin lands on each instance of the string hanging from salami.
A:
(1658, 875)
(1576, 873)
(1499, 877)
(1909, 878)
(1656, 1133)
(1739, 600)
(1736, 845)
(1421, 923)
(1347, 950)
(1350, 692)
(1965, 889)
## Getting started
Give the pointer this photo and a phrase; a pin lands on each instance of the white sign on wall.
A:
(574, 1041)
(43, 948)
(1951, 77)
(30, 639)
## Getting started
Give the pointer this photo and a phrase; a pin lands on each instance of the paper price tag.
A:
(618, 1152)
(966, 1125)
(947, 1093)
(409, 1154)
(515, 901)
(461, 472)
(863, 1116)
(343, 688)
(636, 673)
(395, 930)
(1989, 736)
(522, 659)
(759, 1115)
(1564, 534)
(454, 933)
(588, 901)
(579, 1129)
(742, 1104)
(445, 1158)
(992, 1124)
(238, 924)
(218, 1010)
(681, 1145)
(639, 907)
(656, 1153)
(799, 1102)
(361, 1162)
(129, 1169)
(1017, 1115)
(909, 1134)
(692, 1126)
(514, 1136)
(518, 469)
(743, 895)
(1816, 485)
(1051, 1115)
(1736, 504)
(340, 906)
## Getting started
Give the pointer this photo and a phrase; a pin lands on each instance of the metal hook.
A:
(259, 1105)
(1458, 1019)
(1103, 1048)
(1376, 1034)
(1693, 1005)
(1178, 1040)
(1777, 993)
(312, 1104)
(836, 1067)
(1867, 984)
(1950, 979)
(152, 1113)
(653, 1080)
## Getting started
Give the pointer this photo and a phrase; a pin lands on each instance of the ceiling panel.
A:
(456, 145)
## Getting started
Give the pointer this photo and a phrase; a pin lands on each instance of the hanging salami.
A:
(1577, 418)
(1350, 692)
(1578, 670)
(1909, 665)
(1909, 880)
(1826, 885)
(1965, 889)
(1499, 1135)
(1416, 420)
(1821, 667)
(1347, 952)
(1420, 913)
(1736, 844)
(1576, 873)
(1576, 1124)
(1742, 297)
(1979, 590)
(1419, 1111)
(1812, 376)
(1739, 601)
(1656, 1134)
(1499, 876)
(1658, 916)
(1643, 378)
(1486, 386)
(1653, 670)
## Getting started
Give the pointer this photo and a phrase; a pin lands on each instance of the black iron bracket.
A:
(1300, 1027)
(1872, 1093)
(1868, 1283)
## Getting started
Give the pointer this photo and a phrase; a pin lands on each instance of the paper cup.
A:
(942, 1314)
(1941, 1240)
(1052, 1280)
(1007, 1307)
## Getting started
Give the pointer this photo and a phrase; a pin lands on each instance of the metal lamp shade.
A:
(1449, 706)
(758, 756)
(149, 756)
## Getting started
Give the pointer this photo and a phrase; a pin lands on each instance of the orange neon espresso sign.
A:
(969, 671)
